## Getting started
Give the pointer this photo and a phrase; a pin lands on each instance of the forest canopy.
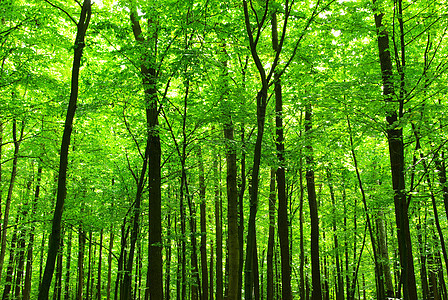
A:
(241, 149)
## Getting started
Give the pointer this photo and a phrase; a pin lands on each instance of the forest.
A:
(209, 150)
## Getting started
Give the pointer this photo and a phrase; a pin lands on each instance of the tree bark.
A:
(29, 259)
(203, 248)
(16, 142)
(55, 236)
(232, 210)
(316, 293)
(218, 224)
(271, 240)
(67, 266)
(396, 153)
(81, 250)
(340, 280)
(100, 261)
(153, 156)
(283, 226)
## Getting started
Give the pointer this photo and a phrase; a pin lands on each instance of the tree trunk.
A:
(203, 210)
(283, 226)
(109, 263)
(100, 261)
(396, 153)
(241, 214)
(16, 142)
(218, 224)
(67, 266)
(81, 249)
(89, 268)
(384, 255)
(423, 257)
(232, 210)
(168, 258)
(340, 280)
(212, 277)
(55, 236)
(153, 156)
(271, 240)
(29, 259)
(316, 293)
(10, 268)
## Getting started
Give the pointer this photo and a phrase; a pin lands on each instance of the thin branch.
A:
(61, 9)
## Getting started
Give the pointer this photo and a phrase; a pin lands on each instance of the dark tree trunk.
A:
(283, 226)
(16, 142)
(271, 240)
(241, 214)
(340, 281)
(232, 211)
(58, 275)
(152, 156)
(10, 268)
(316, 293)
(218, 224)
(203, 210)
(89, 268)
(301, 243)
(440, 165)
(55, 236)
(29, 259)
(396, 153)
(100, 263)
(109, 263)
(81, 250)
(378, 267)
(168, 258)
(67, 266)
(254, 180)
(423, 256)
(212, 277)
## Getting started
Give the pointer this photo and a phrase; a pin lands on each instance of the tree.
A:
(55, 236)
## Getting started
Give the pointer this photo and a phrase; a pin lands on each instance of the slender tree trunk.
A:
(271, 240)
(254, 180)
(232, 211)
(10, 268)
(436, 216)
(100, 262)
(16, 141)
(203, 248)
(89, 268)
(378, 270)
(58, 275)
(81, 250)
(212, 277)
(67, 266)
(241, 214)
(109, 262)
(218, 224)
(21, 262)
(168, 258)
(440, 165)
(283, 226)
(340, 280)
(55, 236)
(396, 153)
(312, 200)
(1, 183)
(423, 257)
(29, 259)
